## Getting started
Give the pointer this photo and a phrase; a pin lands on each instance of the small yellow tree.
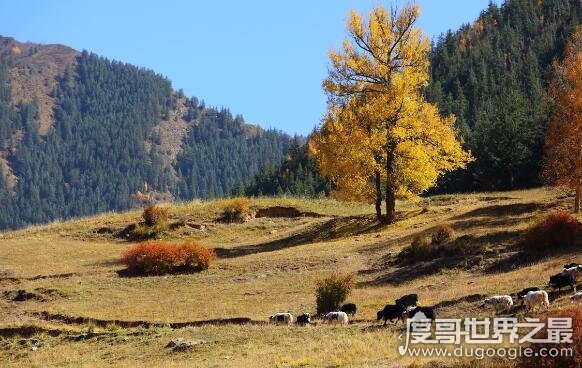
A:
(381, 139)
(563, 146)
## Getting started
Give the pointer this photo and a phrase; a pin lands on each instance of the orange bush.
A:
(575, 360)
(158, 258)
(557, 230)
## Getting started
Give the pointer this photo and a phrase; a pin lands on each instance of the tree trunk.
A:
(390, 205)
(578, 198)
(378, 196)
(390, 190)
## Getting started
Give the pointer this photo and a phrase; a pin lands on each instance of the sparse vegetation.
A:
(332, 291)
(160, 258)
(82, 264)
(557, 231)
(237, 210)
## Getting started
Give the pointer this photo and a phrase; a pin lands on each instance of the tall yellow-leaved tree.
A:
(381, 139)
(563, 146)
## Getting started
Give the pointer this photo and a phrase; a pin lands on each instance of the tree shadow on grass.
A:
(464, 252)
(525, 257)
(502, 210)
(331, 229)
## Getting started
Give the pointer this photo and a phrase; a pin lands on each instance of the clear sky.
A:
(264, 59)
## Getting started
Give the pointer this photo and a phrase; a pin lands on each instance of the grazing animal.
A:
(560, 280)
(570, 265)
(500, 303)
(281, 318)
(534, 299)
(391, 312)
(576, 298)
(422, 313)
(410, 300)
(524, 292)
(304, 319)
(336, 318)
(574, 271)
(349, 309)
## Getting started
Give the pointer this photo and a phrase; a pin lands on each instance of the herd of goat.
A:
(407, 306)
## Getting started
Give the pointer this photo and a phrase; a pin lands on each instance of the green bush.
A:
(332, 291)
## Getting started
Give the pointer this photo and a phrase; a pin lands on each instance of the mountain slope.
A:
(492, 75)
(80, 134)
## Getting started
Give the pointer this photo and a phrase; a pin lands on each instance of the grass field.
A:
(270, 264)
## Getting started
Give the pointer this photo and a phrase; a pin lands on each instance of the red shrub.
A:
(158, 258)
(557, 230)
(559, 361)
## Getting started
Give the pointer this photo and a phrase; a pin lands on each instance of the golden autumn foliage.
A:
(381, 139)
(563, 145)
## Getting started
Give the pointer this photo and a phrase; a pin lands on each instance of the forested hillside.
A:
(297, 175)
(111, 128)
(493, 75)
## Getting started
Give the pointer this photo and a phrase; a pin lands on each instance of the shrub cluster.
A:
(237, 210)
(442, 234)
(155, 222)
(159, 258)
(575, 360)
(440, 242)
(332, 291)
(153, 215)
(557, 230)
(420, 248)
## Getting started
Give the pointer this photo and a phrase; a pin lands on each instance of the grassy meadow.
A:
(269, 264)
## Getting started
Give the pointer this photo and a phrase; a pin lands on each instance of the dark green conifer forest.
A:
(296, 176)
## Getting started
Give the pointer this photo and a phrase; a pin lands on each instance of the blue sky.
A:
(262, 59)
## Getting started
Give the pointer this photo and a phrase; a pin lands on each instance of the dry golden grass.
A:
(267, 265)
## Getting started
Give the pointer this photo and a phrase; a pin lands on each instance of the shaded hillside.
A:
(80, 134)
